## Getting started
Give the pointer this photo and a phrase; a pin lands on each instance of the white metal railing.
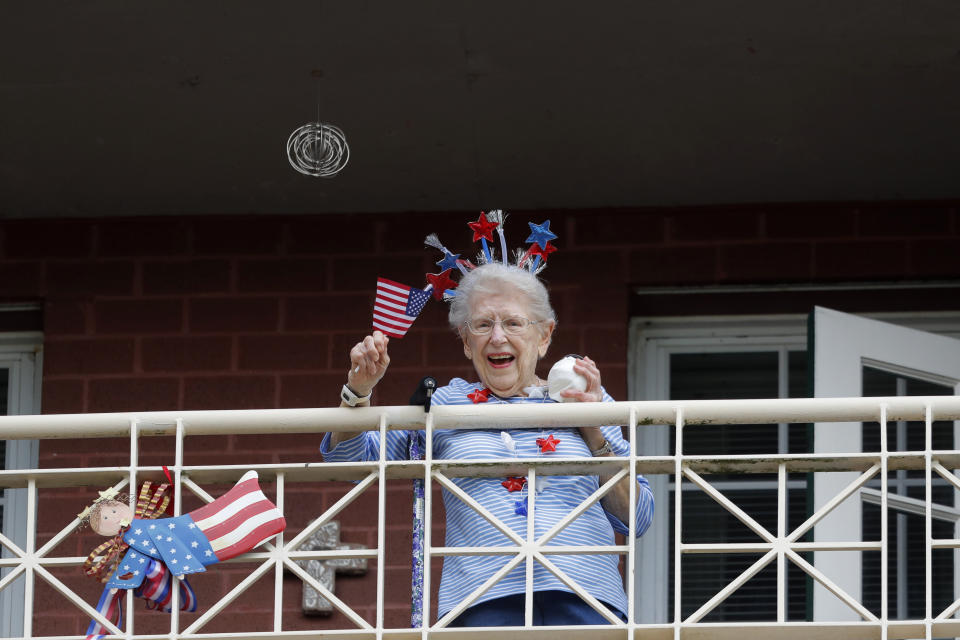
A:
(778, 547)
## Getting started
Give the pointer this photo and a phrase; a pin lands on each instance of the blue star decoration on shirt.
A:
(541, 234)
(418, 298)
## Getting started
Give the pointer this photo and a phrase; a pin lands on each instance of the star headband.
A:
(398, 305)
(533, 259)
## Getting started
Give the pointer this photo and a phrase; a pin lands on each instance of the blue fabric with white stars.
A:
(177, 542)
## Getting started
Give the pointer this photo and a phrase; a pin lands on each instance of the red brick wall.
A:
(260, 312)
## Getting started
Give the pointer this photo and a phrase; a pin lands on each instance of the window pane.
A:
(723, 376)
(726, 376)
(797, 384)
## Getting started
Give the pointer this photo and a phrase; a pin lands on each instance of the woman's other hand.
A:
(588, 369)
(368, 362)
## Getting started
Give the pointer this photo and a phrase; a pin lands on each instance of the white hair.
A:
(494, 277)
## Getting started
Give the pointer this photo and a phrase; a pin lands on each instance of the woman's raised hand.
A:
(368, 362)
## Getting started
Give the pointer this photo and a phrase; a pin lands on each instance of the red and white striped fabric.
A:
(239, 520)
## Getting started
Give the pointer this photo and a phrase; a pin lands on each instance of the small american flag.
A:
(396, 307)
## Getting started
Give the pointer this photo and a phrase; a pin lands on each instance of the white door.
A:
(847, 350)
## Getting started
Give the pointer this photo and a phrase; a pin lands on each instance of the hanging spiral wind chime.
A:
(318, 149)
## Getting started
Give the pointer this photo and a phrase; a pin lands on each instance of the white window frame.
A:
(21, 354)
(651, 342)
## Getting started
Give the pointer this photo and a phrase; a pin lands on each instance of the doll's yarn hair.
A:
(93, 511)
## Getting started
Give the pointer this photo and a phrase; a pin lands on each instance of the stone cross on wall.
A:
(326, 538)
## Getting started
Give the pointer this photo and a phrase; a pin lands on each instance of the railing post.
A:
(884, 523)
(177, 510)
(928, 520)
(278, 553)
(632, 525)
(381, 520)
(677, 523)
(130, 628)
(29, 577)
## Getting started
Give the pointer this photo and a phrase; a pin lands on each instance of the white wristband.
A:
(350, 397)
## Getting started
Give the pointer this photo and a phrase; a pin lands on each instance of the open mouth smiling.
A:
(500, 360)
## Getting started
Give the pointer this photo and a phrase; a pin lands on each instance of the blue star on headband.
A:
(449, 261)
(541, 234)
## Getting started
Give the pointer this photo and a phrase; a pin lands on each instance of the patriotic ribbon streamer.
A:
(156, 590)
(110, 607)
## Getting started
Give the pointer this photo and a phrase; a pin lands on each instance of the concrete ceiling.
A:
(115, 107)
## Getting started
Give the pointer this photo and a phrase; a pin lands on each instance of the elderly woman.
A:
(504, 319)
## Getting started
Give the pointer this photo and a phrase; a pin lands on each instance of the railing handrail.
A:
(658, 412)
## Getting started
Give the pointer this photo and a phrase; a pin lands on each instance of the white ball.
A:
(563, 377)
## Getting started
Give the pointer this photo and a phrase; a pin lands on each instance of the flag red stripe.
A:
(394, 313)
(390, 295)
(389, 306)
(391, 283)
(258, 535)
(388, 331)
(394, 322)
(238, 490)
(235, 521)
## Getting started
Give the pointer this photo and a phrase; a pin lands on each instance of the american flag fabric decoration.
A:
(234, 523)
(239, 520)
(396, 307)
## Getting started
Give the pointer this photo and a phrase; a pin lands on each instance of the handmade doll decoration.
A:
(145, 551)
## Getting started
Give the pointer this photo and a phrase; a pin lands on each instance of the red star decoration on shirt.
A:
(548, 444)
(480, 395)
(512, 484)
(482, 228)
(441, 282)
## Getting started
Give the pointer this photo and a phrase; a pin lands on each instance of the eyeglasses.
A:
(514, 325)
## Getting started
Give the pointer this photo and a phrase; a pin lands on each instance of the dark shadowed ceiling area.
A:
(116, 107)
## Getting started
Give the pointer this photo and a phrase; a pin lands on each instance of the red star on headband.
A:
(482, 228)
(480, 395)
(512, 484)
(548, 444)
(535, 250)
(441, 282)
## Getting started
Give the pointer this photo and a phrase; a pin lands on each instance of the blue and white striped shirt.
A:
(597, 574)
